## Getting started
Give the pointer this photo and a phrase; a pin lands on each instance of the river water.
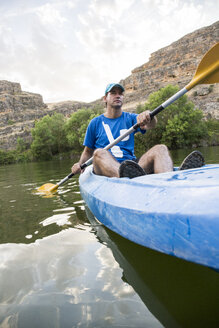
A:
(59, 270)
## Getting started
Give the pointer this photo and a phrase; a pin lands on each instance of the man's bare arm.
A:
(86, 154)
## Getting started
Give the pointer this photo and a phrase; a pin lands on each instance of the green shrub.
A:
(179, 125)
(7, 157)
(76, 126)
(49, 137)
(213, 131)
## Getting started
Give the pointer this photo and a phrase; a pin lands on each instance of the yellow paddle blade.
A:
(47, 188)
(208, 69)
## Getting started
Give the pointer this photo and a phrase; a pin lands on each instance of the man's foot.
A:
(130, 169)
(193, 160)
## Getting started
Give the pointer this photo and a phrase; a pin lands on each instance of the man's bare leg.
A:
(156, 160)
(105, 164)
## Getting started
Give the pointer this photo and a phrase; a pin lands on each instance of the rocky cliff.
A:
(174, 64)
(20, 109)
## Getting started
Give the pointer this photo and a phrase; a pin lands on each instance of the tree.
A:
(213, 131)
(179, 125)
(22, 145)
(76, 126)
(49, 136)
(7, 157)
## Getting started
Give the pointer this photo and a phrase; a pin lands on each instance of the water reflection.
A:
(178, 293)
(67, 280)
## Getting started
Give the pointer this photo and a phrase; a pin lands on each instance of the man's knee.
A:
(161, 148)
(99, 154)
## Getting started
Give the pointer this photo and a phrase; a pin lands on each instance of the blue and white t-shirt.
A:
(102, 130)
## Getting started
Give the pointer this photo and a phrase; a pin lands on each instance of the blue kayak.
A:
(176, 213)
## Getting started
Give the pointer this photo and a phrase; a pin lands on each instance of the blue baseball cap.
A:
(112, 85)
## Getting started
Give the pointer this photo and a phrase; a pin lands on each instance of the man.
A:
(120, 160)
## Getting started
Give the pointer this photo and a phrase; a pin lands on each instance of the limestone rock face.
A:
(18, 111)
(67, 107)
(176, 64)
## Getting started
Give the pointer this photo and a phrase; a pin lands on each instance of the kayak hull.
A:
(176, 213)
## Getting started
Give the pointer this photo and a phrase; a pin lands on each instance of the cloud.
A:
(49, 14)
(113, 9)
(99, 26)
(71, 49)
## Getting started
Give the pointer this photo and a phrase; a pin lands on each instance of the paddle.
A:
(206, 73)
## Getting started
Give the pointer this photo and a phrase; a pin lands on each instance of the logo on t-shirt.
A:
(116, 151)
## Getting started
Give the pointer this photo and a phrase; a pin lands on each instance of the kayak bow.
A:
(176, 213)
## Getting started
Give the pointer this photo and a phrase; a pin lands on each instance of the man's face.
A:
(114, 98)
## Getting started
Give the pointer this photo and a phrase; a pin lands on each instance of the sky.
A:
(71, 49)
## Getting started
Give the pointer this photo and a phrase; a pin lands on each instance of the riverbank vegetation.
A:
(180, 125)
